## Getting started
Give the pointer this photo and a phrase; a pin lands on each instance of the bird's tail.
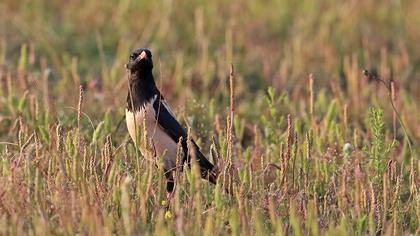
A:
(207, 169)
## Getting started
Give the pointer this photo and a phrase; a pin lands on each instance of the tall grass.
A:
(305, 142)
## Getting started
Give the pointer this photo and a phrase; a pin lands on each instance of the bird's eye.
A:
(132, 56)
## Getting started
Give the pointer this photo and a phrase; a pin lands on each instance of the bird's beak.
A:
(142, 55)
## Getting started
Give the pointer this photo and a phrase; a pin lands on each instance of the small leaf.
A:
(108, 122)
(23, 56)
(45, 136)
(97, 132)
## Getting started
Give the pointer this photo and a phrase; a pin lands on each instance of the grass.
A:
(307, 143)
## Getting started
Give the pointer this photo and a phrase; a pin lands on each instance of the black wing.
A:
(173, 128)
(167, 120)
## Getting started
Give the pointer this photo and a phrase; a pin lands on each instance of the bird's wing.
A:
(166, 119)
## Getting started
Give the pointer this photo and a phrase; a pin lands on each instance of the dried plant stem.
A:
(311, 95)
(60, 148)
(394, 114)
(79, 112)
(231, 114)
(79, 106)
(345, 118)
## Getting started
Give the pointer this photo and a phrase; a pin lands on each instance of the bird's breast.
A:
(139, 123)
(149, 136)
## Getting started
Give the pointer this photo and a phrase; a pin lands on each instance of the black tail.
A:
(206, 167)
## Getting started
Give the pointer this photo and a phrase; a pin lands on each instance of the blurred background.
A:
(274, 43)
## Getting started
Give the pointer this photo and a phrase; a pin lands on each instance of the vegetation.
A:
(307, 142)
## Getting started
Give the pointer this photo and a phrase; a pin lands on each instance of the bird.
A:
(147, 111)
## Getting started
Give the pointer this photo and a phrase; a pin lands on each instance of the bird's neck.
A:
(142, 90)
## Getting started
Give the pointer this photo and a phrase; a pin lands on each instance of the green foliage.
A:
(275, 120)
(378, 150)
(97, 133)
(331, 113)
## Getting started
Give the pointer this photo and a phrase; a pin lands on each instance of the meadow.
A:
(310, 110)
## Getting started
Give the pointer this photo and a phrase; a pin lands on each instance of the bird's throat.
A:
(142, 88)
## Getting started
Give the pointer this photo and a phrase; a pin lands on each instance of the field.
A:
(306, 140)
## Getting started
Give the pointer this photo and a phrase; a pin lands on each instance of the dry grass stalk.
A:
(108, 158)
(343, 197)
(179, 157)
(231, 113)
(311, 94)
(79, 113)
(345, 117)
(74, 71)
(308, 157)
(21, 133)
(394, 114)
(60, 148)
(290, 134)
(364, 199)
(79, 106)
(413, 177)
(385, 187)
(45, 76)
(9, 86)
(396, 193)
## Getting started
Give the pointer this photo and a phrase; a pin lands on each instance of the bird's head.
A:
(140, 61)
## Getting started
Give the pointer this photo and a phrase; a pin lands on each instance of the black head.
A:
(140, 61)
